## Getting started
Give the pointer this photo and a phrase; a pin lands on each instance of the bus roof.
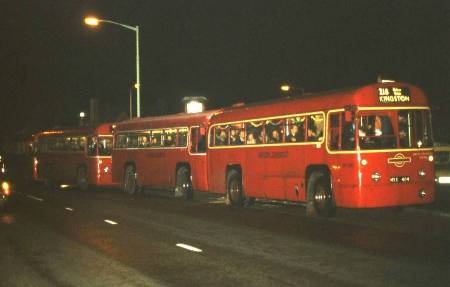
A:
(100, 129)
(174, 120)
(364, 96)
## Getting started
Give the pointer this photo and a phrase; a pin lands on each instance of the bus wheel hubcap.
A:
(321, 197)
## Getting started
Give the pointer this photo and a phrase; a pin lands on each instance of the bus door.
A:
(198, 160)
(341, 143)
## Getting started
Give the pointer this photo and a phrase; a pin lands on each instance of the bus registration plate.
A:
(399, 179)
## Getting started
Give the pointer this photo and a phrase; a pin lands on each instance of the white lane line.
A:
(35, 198)
(110, 222)
(189, 247)
(69, 209)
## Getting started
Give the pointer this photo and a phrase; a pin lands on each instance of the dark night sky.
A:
(228, 51)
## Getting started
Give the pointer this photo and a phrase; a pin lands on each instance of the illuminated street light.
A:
(93, 21)
(285, 88)
(82, 115)
(291, 90)
(194, 104)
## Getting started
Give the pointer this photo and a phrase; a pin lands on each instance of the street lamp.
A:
(291, 90)
(82, 116)
(93, 21)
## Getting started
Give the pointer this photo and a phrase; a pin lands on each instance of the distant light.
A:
(68, 209)
(136, 86)
(64, 186)
(91, 21)
(387, 81)
(285, 88)
(82, 114)
(5, 187)
(194, 107)
(444, 179)
(189, 247)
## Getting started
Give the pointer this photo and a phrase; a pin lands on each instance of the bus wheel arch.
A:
(82, 177)
(234, 194)
(130, 179)
(319, 193)
(183, 181)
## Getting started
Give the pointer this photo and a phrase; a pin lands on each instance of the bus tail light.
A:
(376, 176)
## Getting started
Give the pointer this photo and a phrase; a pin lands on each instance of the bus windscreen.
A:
(399, 129)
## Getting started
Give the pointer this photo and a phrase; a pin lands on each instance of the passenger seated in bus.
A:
(144, 142)
(169, 141)
(154, 141)
(222, 138)
(312, 136)
(251, 139)
(234, 137)
(294, 135)
(275, 137)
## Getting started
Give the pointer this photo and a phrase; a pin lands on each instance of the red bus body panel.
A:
(156, 167)
(64, 164)
(280, 172)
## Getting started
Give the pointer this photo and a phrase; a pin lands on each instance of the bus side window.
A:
(182, 137)
(92, 146)
(295, 131)
(315, 127)
(254, 131)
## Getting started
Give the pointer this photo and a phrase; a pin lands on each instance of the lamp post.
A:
(93, 21)
(82, 115)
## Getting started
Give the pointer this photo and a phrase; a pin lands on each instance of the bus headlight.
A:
(376, 176)
(430, 158)
(6, 188)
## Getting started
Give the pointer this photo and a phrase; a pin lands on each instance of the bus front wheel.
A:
(184, 184)
(320, 198)
(235, 193)
(130, 184)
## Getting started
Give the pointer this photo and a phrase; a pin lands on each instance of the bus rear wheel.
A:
(320, 199)
(82, 180)
(235, 193)
(130, 184)
(184, 184)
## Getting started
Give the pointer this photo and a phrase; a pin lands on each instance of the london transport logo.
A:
(399, 160)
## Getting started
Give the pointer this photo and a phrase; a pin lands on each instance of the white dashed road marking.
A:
(189, 247)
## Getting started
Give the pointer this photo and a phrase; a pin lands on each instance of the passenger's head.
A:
(294, 129)
(275, 134)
